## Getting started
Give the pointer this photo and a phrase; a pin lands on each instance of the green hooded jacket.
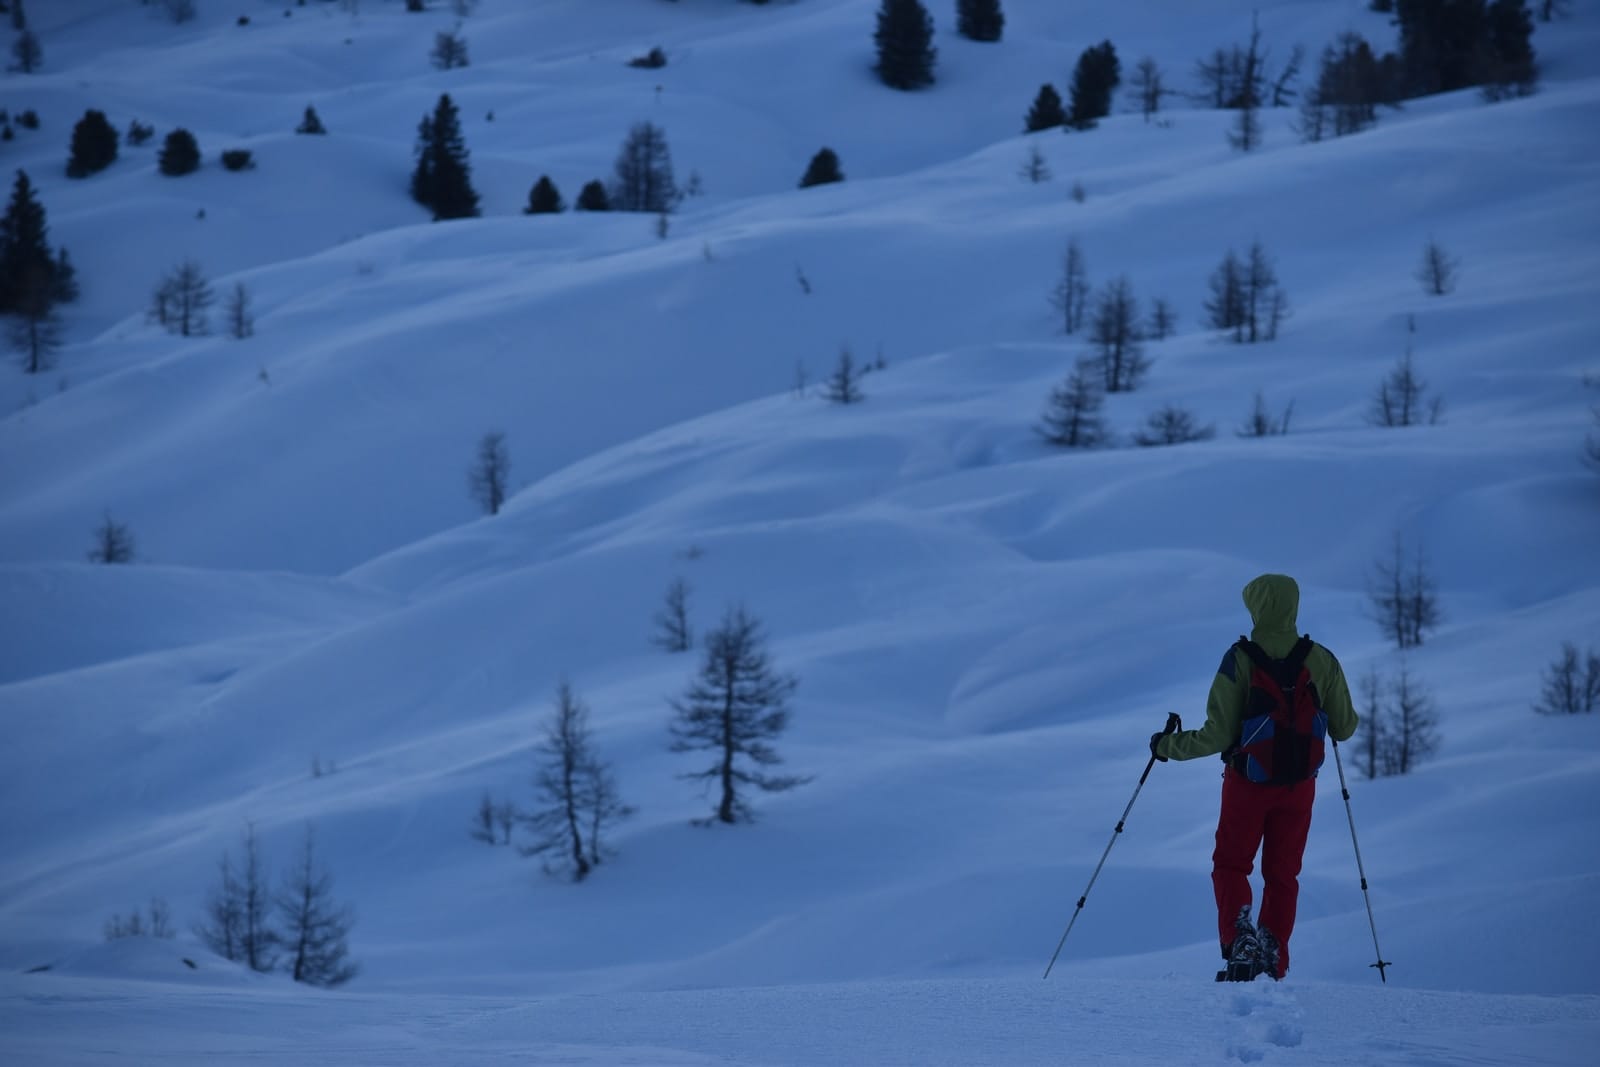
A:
(1274, 603)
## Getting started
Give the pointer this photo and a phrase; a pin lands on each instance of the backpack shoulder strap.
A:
(1257, 654)
(1297, 655)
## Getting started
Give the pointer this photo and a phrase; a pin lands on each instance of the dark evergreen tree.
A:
(180, 154)
(311, 123)
(442, 179)
(823, 169)
(314, 928)
(1509, 67)
(906, 54)
(1096, 77)
(1047, 112)
(734, 709)
(1347, 92)
(593, 197)
(1441, 44)
(980, 20)
(643, 174)
(27, 269)
(94, 145)
(19, 17)
(544, 198)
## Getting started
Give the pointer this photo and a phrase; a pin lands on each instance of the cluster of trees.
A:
(297, 927)
(1094, 81)
(34, 279)
(642, 177)
(95, 143)
(156, 922)
(182, 300)
(733, 710)
(1399, 723)
(1248, 305)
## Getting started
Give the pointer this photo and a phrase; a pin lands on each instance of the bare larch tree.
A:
(113, 542)
(733, 709)
(1404, 596)
(1071, 295)
(314, 927)
(575, 798)
(490, 470)
(844, 384)
(1072, 419)
(672, 621)
(1437, 271)
(1114, 332)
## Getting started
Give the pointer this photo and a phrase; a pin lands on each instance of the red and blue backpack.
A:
(1284, 729)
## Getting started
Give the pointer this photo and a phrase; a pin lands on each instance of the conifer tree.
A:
(1096, 77)
(544, 198)
(823, 169)
(733, 709)
(180, 154)
(94, 145)
(311, 123)
(980, 20)
(1047, 112)
(25, 259)
(593, 197)
(442, 179)
(906, 54)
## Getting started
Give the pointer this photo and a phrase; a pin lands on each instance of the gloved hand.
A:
(1155, 740)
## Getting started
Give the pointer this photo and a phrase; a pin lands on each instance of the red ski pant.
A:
(1276, 820)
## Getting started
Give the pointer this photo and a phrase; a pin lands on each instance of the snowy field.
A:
(986, 629)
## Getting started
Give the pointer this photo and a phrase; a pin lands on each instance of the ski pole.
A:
(1345, 789)
(1173, 722)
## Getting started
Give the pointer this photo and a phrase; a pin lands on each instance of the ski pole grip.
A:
(1173, 723)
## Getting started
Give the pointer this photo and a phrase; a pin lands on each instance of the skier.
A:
(1275, 697)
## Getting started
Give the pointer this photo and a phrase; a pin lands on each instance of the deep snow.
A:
(986, 630)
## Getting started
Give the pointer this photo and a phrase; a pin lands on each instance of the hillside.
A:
(322, 628)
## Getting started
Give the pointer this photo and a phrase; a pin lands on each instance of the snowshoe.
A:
(1244, 955)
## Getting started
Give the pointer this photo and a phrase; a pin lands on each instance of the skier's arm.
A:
(1222, 718)
(1342, 718)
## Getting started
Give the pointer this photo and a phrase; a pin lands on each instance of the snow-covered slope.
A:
(986, 630)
